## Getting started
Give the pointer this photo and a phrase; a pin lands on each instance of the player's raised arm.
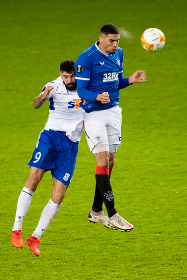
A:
(40, 99)
(138, 77)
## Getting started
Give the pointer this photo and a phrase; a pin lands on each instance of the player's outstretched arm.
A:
(138, 77)
(40, 99)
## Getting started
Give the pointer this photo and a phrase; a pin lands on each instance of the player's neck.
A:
(99, 47)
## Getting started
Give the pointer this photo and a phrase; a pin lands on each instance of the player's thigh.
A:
(114, 129)
(44, 153)
(96, 132)
(65, 161)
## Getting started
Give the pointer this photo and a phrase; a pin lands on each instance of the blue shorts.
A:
(55, 152)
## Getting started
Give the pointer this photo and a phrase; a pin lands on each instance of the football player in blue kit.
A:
(56, 150)
(99, 75)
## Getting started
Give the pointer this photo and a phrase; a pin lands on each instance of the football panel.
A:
(145, 45)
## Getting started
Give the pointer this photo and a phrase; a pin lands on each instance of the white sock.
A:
(48, 214)
(23, 204)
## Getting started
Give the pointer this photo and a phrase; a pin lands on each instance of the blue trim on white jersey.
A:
(51, 104)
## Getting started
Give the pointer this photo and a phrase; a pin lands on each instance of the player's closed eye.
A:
(114, 41)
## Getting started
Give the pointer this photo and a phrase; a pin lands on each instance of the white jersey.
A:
(65, 110)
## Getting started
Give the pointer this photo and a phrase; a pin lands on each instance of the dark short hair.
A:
(67, 65)
(109, 29)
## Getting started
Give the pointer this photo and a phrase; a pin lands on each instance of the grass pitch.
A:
(149, 177)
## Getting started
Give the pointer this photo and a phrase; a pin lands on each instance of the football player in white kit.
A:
(56, 150)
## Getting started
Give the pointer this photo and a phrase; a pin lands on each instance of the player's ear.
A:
(101, 38)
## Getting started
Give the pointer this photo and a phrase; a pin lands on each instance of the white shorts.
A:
(103, 129)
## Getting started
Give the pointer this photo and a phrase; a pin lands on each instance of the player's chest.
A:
(106, 68)
(64, 97)
(66, 101)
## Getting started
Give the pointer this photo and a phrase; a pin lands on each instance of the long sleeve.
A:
(83, 73)
(83, 92)
(123, 82)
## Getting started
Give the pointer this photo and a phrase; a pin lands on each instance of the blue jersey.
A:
(97, 72)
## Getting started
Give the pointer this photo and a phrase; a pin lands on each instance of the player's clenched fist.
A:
(40, 99)
(103, 98)
(47, 91)
(138, 77)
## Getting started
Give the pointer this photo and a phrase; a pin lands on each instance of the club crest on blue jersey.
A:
(79, 68)
(118, 61)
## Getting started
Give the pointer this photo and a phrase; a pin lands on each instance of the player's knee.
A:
(34, 178)
(99, 148)
(111, 162)
(58, 197)
(32, 183)
(59, 190)
(102, 159)
(62, 197)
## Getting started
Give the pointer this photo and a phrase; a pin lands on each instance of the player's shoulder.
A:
(88, 53)
(55, 83)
